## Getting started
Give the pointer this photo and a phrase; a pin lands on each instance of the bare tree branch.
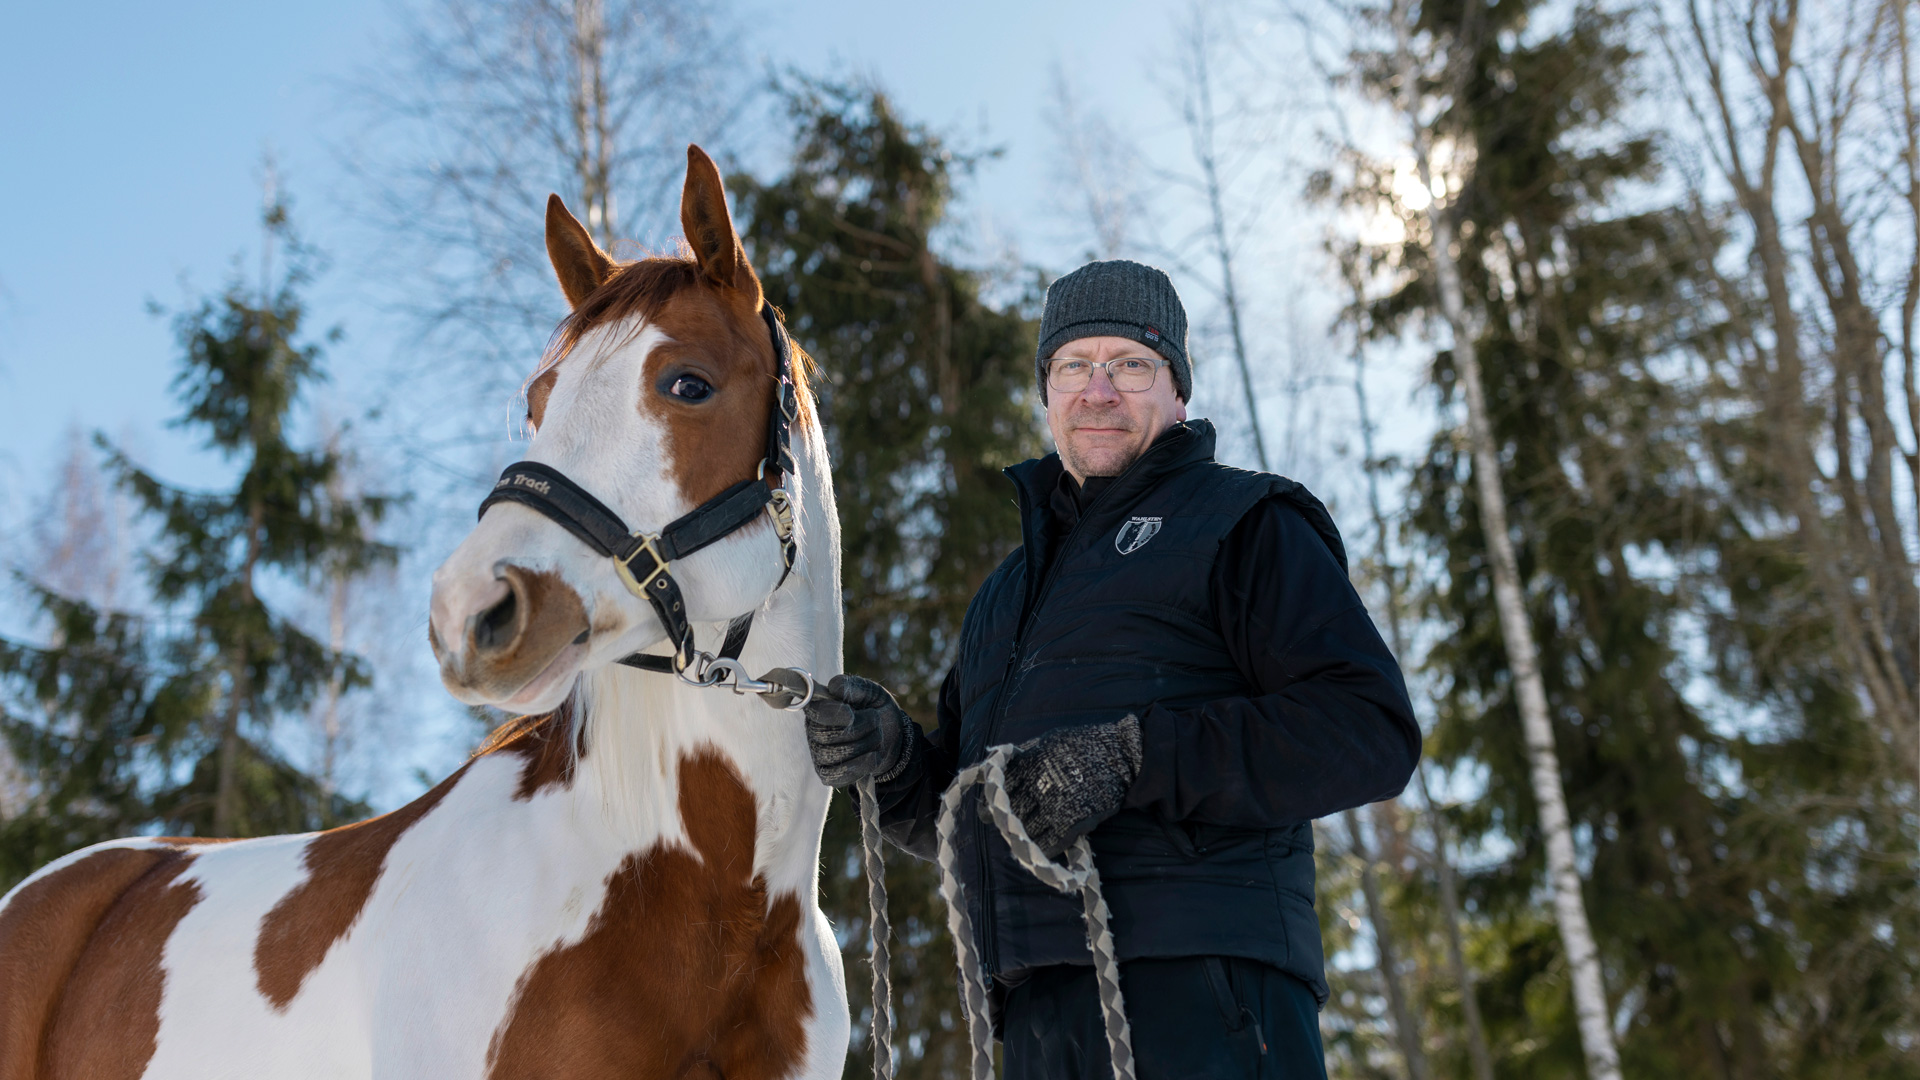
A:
(480, 110)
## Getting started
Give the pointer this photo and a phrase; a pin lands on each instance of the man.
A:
(1190, 680)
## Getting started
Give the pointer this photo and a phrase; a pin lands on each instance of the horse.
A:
(620, 882)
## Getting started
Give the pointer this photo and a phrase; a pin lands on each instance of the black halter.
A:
(640, 559)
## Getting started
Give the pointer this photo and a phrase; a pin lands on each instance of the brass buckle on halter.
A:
(624, 567)
(780, 508)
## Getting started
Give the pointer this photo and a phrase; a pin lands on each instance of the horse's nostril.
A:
(494, 629)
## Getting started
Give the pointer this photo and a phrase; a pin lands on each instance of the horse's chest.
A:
(687, 966)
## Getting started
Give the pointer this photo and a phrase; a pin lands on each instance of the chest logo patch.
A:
(1135, 533)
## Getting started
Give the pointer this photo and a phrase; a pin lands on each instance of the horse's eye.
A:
(690, 387)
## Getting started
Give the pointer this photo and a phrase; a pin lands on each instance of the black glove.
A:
(858, 732)
(1066, 782)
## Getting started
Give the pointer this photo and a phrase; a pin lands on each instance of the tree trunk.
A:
(1200, 127)
(1477, 1049)
(336, 683)
(1442, 856)
(1570, 909)
(1890, 605)
(1882, 655)
(592, 135)
(1406, 1030)
(1910, 292)
(226, 794)
(340, 585)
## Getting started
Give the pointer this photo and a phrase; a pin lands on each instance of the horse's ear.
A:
(577, 261)
(708, 226)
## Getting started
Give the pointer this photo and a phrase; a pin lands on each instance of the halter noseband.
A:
(641, 559)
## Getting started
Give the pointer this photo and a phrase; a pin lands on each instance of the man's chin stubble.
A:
(1107, 465)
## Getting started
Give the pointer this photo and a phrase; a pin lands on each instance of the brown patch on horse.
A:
(548, 744)
(43, 931)
(721, 441)
(80, 975)
(548, 616)
(343, 865)
(689, 968)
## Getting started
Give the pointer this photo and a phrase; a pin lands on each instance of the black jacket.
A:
(1214, 604)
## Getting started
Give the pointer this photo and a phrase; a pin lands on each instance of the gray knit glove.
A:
(1066, 782)
(859, 731)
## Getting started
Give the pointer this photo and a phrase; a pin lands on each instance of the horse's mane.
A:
(641, 287)
(549, 744)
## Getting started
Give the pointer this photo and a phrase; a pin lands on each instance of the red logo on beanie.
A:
(1152, 334)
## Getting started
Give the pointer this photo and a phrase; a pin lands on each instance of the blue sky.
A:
(132, 135)
(131, 140)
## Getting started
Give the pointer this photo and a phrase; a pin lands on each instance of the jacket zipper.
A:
(1000, 711)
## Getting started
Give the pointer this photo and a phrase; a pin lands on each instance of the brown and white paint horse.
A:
(622, 883)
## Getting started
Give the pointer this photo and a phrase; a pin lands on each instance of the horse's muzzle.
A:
(509, 638)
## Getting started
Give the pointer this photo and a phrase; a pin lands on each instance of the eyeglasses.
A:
(1129, 374)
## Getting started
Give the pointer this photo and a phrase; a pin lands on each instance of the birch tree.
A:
(1400, 1004)
(1569, 906)
(1386, 567)
(1808, 114)
(1097, 173)
(81, 537)
(477, 112)
(361, 608)
(1199, 56)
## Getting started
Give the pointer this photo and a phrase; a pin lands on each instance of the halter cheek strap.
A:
(641, 559)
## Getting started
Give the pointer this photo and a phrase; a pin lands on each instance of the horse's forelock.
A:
(636, 293)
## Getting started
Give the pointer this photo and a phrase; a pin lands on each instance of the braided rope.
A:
(1079, 875)
(878, 931)
(960, 927)
(791, 689)
(786, 688)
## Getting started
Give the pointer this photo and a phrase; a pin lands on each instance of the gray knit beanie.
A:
(1117, 298)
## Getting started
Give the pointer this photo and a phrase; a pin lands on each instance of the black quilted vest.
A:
(1122, 619)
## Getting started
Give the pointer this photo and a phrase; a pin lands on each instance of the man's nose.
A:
(1100, 388)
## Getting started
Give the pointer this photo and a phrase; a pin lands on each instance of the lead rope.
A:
(878, 931)
(1079, 875)
(791, 689)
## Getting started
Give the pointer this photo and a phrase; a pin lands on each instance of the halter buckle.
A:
(780, 508)
(624, 567)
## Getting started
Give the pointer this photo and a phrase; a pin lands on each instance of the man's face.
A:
(1100, 431)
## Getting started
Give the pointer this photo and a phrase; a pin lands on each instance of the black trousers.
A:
(1201, 1016)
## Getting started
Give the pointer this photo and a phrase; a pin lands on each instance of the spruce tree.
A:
(927, 392)
(90, 718)
(1711, 839)
(163, 720)
(244, 367)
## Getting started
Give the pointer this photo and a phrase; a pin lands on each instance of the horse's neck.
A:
(641, 726)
